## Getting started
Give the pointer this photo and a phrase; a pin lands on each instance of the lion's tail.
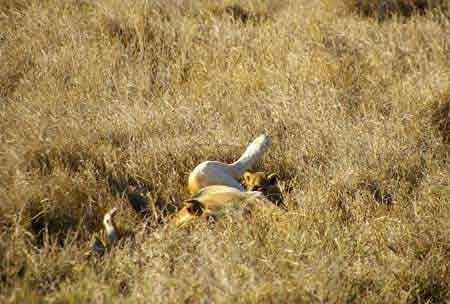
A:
(252, 154)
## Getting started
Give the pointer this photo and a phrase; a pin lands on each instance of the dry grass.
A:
(112, 103)
(384, 9)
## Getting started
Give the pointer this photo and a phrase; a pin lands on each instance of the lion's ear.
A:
(272, 178)
(194, 207)
(247, 177)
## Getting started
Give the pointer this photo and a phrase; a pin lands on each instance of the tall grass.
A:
(112, 103)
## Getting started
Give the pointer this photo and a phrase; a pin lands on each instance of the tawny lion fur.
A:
(216, 188)
(211, 173)
(212, 202)
(267, 184)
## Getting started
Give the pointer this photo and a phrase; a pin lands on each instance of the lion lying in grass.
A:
(215, 185)
(211, 173)
(215, 189)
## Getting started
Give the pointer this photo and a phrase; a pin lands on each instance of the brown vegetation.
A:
(112, 103)
(383, 9)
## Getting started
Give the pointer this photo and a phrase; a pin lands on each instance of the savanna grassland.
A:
(112, 103)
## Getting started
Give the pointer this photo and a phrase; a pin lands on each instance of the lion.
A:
(215, 189)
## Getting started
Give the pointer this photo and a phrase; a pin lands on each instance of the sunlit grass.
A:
(110, 103)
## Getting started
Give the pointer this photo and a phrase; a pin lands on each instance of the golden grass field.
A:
(110, 103)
